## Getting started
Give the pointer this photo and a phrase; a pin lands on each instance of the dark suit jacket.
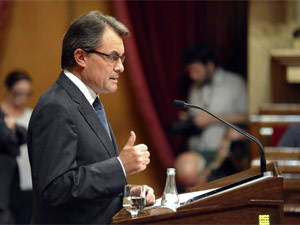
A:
(9, 141)
(77, 177)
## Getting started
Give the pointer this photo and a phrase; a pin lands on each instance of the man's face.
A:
(100, 74)
(199, 73)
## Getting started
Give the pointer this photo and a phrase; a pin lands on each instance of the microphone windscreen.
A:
(178, 103)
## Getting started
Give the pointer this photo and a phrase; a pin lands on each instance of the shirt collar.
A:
(219, 75)
(86, 90)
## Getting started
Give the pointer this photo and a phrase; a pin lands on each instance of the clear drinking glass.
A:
(134, 198)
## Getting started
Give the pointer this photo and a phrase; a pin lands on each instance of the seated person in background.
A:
(231, 158)
(189, 166)
(291, 137)
(220, 92)
(192, 170)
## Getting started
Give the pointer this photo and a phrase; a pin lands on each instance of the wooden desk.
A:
(280, 109)
(283, 91)
(264, 128)
(245, 204)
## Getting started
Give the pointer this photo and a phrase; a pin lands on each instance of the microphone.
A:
(263, 167)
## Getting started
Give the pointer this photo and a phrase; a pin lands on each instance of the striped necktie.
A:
(101, 114)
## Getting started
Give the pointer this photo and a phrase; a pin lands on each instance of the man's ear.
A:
(80, 57)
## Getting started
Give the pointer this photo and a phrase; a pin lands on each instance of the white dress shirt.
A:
(226, 94)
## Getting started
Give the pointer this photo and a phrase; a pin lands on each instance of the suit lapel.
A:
(89, 114)
(93, 120)
(113, 140)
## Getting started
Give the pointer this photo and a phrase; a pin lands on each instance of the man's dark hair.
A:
(85, 33)
(15, 76)
(198, 53)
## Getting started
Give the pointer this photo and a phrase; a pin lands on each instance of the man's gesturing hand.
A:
(135, 158)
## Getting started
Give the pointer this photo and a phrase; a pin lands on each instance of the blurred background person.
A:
(18, 89)
(220, 92)
(189, 166)
(11, 137)
(291, 137)
(231, 157)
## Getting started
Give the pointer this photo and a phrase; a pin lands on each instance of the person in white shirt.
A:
(217, 90)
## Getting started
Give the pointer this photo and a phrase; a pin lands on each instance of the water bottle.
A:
(170, 197)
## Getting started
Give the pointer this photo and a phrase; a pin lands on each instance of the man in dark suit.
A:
(78, 174)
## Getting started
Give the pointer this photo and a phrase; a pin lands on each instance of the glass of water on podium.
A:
(134, 199)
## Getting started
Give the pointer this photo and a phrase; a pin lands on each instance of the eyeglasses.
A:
(112, 58)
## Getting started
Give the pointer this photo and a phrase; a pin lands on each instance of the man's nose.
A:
(119, 67)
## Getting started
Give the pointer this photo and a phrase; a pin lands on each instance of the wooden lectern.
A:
(258, 202)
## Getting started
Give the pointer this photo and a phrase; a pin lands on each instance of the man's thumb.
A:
(131, 139)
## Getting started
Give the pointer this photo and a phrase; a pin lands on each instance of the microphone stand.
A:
(263, 166)
(182, 104)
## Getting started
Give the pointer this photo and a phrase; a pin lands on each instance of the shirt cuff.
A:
(122, 166)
